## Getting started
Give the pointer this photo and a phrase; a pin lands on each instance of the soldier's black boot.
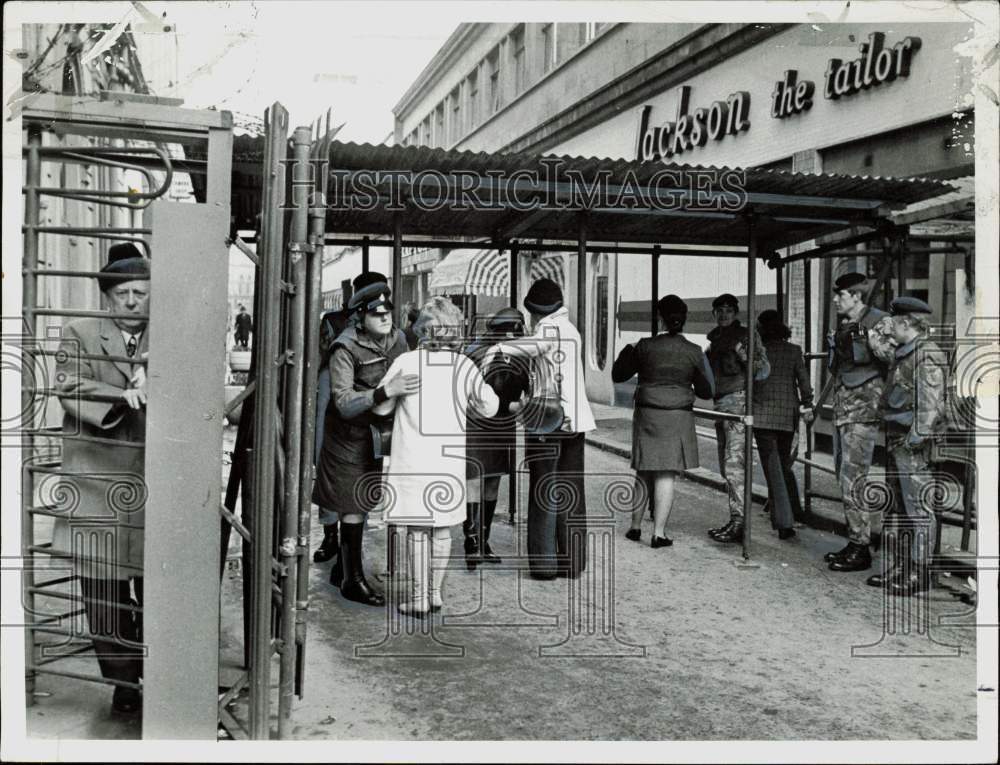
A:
(857, 558)
(721, 529)
(329, 546)
(489, 508)
(471, 530)
(830, 557)
(734, 534)
(354, 586)
(909, 580)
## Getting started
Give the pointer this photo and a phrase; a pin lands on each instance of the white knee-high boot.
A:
(418, 547)
(439, 564)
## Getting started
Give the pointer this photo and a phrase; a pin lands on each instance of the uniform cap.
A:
(726, 299)
(847, 281)
(505, 319)
(907, 305)
(373, 297)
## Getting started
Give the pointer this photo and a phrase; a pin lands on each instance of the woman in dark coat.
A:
(348, 477)
(777, 403)
(491, 442)
(672, 372)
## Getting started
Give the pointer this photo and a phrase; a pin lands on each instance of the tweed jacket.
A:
(776, 400)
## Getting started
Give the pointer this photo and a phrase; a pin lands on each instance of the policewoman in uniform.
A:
(348, 476)
(727, 354)
(913, 413)
(859, 349)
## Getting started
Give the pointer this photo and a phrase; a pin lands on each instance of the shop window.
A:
(601, 309)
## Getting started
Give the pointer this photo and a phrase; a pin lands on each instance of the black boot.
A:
(330, 545)
(471, 529)
(909, 580)
(857, 558)
(886, 575)
(489, 508)
(830, 557)
(734, 534)
(354, 586)
(337, 570)
(721, 529)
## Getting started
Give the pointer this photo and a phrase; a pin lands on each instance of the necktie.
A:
(130, 348)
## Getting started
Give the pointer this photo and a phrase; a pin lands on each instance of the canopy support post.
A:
(807, 469)
(654, 283)
(752, 247)
(581, 286)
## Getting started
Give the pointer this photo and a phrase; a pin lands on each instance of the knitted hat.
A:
(544, 297)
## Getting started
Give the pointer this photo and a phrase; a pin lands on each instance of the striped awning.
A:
(487, 272)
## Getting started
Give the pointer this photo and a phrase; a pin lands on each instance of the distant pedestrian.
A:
(672, 372)
(728, 357)
(243, 327)
(777, 404)
(426, 472)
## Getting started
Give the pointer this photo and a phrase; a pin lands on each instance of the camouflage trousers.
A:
(731, 443)
(911, 520)
(853, 450)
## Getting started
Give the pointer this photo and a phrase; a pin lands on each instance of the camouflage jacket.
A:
(857, 394)
(913, 404)
(723, 355)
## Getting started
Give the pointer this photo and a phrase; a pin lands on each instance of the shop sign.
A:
(876, 65)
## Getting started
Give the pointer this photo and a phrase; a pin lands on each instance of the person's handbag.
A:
(381, 437)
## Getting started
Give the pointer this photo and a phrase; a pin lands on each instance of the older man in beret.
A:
(913, 413)
(860, 350)
(101, 384)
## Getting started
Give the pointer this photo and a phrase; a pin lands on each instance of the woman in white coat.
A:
(425, 477)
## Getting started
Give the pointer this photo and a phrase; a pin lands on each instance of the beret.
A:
(847, 281)
(726, 299)
(544, 297)
(906, 305)
(123, 259)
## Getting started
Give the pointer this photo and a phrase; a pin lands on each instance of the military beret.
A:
(123, 259)
(726, 299)
(847, 281)
(905, 304)
(372, 297)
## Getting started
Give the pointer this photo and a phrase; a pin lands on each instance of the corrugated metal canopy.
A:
(434, 192)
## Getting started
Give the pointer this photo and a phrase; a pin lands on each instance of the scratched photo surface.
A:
(521, 382)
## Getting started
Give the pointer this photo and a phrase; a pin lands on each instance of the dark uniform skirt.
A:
(347, 485)
(489, 452)
(664, 439)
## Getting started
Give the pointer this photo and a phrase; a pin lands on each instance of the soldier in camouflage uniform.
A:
(913, 412)
(860, 349)
(727, 355)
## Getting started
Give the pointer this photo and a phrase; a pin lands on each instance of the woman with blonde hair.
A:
(425, 478)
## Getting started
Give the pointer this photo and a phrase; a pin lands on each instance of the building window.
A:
(472, 91)
(518, 59)
(493, 70)
(439, 136)
(548, 48)
(456, 115)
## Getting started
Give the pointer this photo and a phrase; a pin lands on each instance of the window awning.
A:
(487, 272)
